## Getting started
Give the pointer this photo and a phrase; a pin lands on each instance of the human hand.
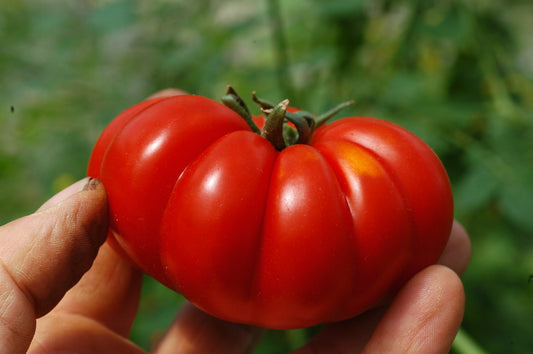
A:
(423, 318)
(43, 255)
(45, 307)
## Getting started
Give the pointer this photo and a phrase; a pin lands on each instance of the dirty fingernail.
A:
(92, 184)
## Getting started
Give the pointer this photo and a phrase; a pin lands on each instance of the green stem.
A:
(324, 118)
(464, 344)
(232, 100)
(280, 47)
(302, 127)
(308, 117)
(273, 129)
(261, 102)
(302, 120)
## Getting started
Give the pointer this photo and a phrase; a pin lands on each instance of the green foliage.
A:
(457, 73)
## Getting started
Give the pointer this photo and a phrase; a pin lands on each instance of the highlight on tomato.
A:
(280, 221)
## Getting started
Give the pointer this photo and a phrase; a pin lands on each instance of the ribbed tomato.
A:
(288, 237)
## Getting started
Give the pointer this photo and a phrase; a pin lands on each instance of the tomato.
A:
(281, 238)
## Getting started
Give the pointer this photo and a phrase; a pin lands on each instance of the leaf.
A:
(340, 7)
(477, 188)
(517, 203)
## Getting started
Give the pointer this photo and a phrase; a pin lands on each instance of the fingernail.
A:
(66, 193)
(92, 184)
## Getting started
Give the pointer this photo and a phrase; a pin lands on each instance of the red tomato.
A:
(313, 233)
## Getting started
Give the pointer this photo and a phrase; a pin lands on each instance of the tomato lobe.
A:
(282, 239)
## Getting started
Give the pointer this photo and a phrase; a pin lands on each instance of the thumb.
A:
(44, 254)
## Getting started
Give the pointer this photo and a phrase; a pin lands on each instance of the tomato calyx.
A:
(276, 130)
(273, 130)
(232, 100)
(303, 121)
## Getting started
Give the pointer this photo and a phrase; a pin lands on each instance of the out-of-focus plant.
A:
(457, 73)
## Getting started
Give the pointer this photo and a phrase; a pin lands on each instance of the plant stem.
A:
(232, 100)
(303, 126)
(323, 118)
(273, 129)
(262, 103)
(464, 344)
(280, 47)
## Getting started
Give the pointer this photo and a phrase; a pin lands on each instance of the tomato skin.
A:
(281, 239)
(144, 159)
(213, 219)
(417, 172)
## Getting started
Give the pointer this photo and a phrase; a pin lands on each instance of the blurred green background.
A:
(457, 73)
